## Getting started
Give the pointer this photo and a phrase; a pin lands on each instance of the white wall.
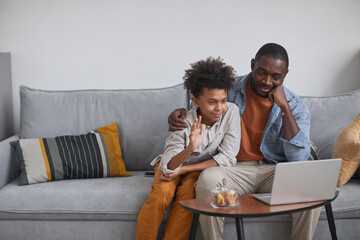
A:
(6, 107)
(115, 44)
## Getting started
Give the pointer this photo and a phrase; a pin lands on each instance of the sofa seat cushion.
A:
(347, 204)
(116, 198)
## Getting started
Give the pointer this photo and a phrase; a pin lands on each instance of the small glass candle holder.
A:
(222, 197)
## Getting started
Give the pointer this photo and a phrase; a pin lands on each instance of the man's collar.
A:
(241, 83)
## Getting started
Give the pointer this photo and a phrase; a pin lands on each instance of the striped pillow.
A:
(93, 155)
(314, 155)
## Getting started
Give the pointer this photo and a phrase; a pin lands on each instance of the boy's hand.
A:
(176, 120)
(170, 176)
(196, 135)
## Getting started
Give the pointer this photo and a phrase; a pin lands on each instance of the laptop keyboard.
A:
(265, 197)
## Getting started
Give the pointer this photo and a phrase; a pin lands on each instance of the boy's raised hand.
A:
(196, 135)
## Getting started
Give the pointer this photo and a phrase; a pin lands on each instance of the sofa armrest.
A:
(9, 168)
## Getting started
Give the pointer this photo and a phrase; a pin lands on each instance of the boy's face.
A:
(212, 104)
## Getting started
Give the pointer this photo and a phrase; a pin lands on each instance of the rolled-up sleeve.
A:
(298, 147)
(230, 145)
(175, 143)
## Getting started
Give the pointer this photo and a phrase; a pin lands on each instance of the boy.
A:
(212, 138)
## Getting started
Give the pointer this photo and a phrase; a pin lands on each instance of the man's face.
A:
(212, 104)
(267, 73)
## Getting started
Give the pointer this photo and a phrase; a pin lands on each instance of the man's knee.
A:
(209, 179)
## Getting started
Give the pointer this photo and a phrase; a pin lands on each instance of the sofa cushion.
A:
(347, 204)
(114, 198)
(330, 115)
(93, 155)
(141, 117)
(347, 147)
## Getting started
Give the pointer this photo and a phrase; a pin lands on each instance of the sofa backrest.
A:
(329, 116)
(141, 117)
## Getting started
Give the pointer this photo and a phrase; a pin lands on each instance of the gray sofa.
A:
(107, 208)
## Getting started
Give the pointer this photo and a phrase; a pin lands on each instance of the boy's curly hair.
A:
(210, 73)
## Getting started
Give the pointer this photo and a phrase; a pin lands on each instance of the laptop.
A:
(304, 181)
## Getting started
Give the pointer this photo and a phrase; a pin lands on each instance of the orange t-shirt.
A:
(253, 122)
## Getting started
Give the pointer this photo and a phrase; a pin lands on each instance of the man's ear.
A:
(252, 64)
(195, 101)
(286, 72)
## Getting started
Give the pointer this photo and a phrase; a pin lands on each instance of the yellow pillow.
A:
(347, 147)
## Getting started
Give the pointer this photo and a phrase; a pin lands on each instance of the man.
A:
(275, 127)
(212, 138)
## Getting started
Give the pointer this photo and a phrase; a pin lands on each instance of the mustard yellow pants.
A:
(161, 195)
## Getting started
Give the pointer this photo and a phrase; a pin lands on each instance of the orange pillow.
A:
(347, 147)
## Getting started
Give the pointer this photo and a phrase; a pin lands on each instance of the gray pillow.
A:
(329, 116)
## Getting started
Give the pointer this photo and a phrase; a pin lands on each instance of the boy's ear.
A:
(195, 101)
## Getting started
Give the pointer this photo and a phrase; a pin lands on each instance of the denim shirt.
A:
(273, 146)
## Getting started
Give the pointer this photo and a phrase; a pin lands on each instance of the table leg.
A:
(194, 223)
(240, 228)
(331, 222)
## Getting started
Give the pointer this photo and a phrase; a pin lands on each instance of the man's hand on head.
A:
(289, 125)
(278, 96)
(176, 120)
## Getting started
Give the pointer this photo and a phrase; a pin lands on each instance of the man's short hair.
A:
(210, 73)
(273, 50)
